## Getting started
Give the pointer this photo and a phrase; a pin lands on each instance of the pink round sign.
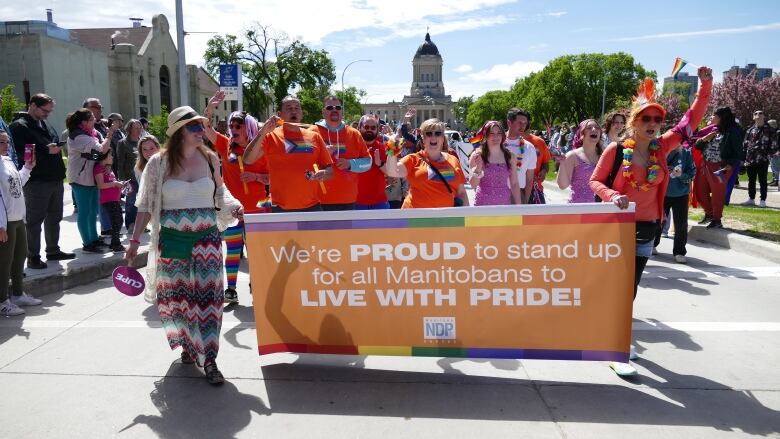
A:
(128, 280)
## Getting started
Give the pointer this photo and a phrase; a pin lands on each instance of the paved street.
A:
(93, 363)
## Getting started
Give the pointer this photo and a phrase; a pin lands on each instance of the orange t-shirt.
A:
(371, 184)
(348, 144)
(290, 152)
(543, 155)
(425, 187)
(231, 174)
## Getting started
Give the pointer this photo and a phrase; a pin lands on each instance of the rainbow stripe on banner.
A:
(300, 146)
(679, 63)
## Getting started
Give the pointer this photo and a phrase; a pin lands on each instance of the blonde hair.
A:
(432, 125)
(142, 161)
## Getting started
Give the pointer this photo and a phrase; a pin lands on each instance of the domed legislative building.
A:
(426, 94)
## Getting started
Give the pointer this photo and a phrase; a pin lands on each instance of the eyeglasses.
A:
(195, 127)
(656, 119)
(433, 133)
(333, 107)
(758, 113)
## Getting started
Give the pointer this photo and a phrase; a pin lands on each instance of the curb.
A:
(77, 275)
(737, 242)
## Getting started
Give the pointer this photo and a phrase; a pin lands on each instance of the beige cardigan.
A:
(150, 201)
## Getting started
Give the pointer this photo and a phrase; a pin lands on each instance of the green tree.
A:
(312, 101)
(493, 105)
(680, 89)
(461, 110)
(10, 104)
(272, 64)
(158, 124)
(570, 88)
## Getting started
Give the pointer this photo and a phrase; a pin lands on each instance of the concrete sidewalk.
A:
(86, 268)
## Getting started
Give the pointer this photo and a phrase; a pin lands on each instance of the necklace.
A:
(652, 164)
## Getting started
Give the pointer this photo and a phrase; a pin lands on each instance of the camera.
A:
(93, 155)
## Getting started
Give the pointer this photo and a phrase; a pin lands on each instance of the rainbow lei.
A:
(652, 166)
(522, 153)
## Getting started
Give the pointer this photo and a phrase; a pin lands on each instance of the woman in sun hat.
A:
(184, 197)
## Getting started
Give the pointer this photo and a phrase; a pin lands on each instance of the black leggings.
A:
(114, 209)
(757, 171)
(639, 267)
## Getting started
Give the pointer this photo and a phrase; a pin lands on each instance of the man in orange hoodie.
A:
(349, 153)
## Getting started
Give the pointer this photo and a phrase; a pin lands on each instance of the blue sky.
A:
(486, 44)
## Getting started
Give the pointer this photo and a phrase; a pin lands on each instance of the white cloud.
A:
(724, 31)
(463, 68)
(556, 14)
(505, 74)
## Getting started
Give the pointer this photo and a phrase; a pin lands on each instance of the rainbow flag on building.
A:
(679, 63)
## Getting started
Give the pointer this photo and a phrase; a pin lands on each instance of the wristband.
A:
(134, 241)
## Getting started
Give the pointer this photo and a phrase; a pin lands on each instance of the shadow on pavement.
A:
(662, 333)
(302, 388)
(190, 407)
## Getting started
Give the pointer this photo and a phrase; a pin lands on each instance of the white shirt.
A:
(12, 181)
(528, 157)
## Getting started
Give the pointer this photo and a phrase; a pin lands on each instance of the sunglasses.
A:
(333, 107)
(656, 119)
(758, 113)
(433, 133)
(195, 128)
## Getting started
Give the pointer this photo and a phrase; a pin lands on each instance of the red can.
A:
(28, 152)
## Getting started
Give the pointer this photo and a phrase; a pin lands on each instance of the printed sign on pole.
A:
(230, 82)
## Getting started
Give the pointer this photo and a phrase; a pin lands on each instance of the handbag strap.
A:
(615, 165)
(438, 174)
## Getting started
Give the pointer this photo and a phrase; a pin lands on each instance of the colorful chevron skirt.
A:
(189, 292)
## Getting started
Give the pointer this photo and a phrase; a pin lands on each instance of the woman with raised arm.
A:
(435, 176)
(642, 176)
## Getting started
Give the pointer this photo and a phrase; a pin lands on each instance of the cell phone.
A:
(61, 143)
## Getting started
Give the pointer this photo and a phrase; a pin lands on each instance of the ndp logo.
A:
(439, 328)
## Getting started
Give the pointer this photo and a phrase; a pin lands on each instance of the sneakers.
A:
(36, 263)
(749, 202)
(117, 248)
(773, 183)
(92, 248)
(632, 355)
(8, 309)
(762, 203)
(25, 300)
(213, 375)
(680, 259)
(715, 224)
(231, 296)
(623, 369)
(705, 220)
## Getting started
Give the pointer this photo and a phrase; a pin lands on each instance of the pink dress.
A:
(493, 188)
(580, 189)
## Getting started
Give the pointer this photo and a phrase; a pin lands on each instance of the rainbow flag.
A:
(476, 139)
(679, 63)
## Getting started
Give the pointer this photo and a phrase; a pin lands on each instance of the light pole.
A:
(345, 70)
(603, 95)
(184, 85)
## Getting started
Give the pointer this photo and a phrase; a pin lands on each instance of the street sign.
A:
(230, 81)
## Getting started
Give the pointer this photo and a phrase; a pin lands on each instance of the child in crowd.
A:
(110, 194)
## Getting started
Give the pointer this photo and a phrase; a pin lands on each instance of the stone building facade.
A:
(133, 70)
(426, 94)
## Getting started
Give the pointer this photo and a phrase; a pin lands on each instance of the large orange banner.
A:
(550, 282)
